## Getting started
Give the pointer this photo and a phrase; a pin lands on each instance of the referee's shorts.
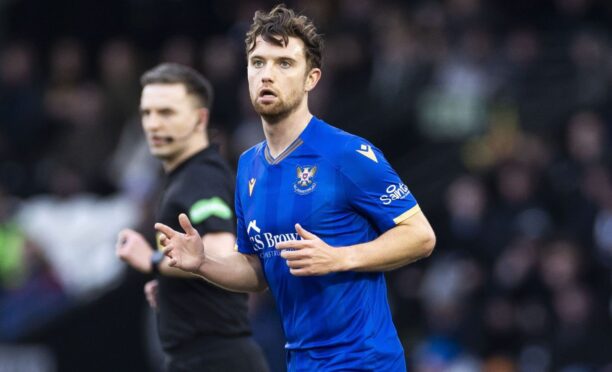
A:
(217, 354)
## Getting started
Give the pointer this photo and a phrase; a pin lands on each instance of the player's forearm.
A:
(233, 271)
(395, 248)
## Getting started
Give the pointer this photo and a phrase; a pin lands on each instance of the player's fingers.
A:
(294, 244)
(304, 233)
(163, 240)
(186, 224)
(166, 230)
(297, 264)
(293, 255)
(300, 272)
(167, 251)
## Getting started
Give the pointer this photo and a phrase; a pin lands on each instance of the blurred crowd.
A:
(496, 114)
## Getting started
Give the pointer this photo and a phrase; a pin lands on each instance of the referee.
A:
(201, 327)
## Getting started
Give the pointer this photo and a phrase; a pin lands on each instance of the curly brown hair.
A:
(281, 23)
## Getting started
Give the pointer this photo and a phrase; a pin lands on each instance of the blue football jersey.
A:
(339, 187)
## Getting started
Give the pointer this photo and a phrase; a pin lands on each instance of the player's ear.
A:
(312, 78)
(203, 116)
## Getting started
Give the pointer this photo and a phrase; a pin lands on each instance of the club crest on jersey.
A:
(305, 183)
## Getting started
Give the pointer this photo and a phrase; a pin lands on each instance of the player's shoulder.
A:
(251, 152)
(335, 143)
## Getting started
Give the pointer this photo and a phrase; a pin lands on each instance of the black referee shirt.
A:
(203, 188)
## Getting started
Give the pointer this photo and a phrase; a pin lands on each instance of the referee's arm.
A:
(133, 249)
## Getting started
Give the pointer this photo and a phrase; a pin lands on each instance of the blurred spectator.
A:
(74, 108)
(85, 138)
(590, 56)
(574, 187)
(22, 129)
(178, 49)
(399, 72)
(66, 74)
(455, 106)
(77, 235)
(30, 294)
(119, 68)
(598, 182)
(222, 61)
(464, 225)
(518, 210)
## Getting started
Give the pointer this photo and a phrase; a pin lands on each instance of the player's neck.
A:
(281, 134)
(170, 164)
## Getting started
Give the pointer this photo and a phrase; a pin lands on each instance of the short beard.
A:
(274, 115)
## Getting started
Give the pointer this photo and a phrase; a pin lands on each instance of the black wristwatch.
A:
(156, 259)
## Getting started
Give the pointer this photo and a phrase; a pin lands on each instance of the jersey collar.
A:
(291, 148)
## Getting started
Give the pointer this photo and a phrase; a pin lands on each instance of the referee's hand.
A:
(185, 251)
(132, 248)
(150, 290)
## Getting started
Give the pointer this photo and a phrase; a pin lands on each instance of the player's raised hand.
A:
(310, 255)
(184, 250)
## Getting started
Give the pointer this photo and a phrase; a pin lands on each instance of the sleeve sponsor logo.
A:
(206, 208)
(394, 192)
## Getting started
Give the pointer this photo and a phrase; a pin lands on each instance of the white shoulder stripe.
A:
(409, 213)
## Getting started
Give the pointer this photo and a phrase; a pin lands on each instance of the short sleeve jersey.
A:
(339, 187)
(202, 187)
